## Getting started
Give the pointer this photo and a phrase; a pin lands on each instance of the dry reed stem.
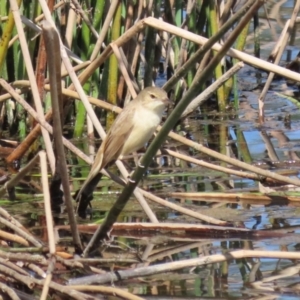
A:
(10, 292)
(113, 291)
(78, 262)
(182, 210)
(52, 48)
(196, 146)
(42, 122)
(277, 47)
(46, 287)
(86, 19)
(232, 161)
(167, 251)
(144, 257)
(211, 89)
(233, 197)
(269, 146)
(203, 149)
(69, 33)
(226, 11)
(180, 226)
(31, 76)
(13, 238)
(21, 174)
(38, 29)
(90, 135)
(36, 269)
(128, 35)
(75, 150)
(104, 29)
(13, 266)
(290, 24)
(10, 218)
(205, 164)
(25, 279)
(57, 5)
(26, 257)
(32, 282)
(256, 62)
(21, 231)
(188, 263)
(123, 69)
(47, 203)
(128, 68)
(91, 112)
(72, 74)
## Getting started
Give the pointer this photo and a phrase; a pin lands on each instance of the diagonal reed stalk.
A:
(113, 214)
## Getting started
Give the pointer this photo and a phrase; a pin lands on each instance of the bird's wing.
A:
(111, 147)
(117, 136)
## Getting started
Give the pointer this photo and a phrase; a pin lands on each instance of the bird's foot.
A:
(131, 180)
(141, 166)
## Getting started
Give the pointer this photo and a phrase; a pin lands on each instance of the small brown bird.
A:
(131, 130)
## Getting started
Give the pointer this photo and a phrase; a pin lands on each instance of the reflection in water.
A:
(273, 145)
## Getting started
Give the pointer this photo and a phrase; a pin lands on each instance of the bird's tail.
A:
(85, 194)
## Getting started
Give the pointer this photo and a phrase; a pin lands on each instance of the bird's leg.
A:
(136, 158)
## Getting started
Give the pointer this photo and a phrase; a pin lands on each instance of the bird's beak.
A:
(167, 101)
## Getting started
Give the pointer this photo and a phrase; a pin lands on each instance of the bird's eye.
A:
(152, 96)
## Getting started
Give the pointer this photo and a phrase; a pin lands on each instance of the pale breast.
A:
(145, 123)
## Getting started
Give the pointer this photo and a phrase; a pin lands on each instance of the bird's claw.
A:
(130, 180)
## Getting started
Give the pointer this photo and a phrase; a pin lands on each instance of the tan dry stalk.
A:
(211, 89)
(184, 264)
(256, 62)
(51, 38)
(31, 76)
(290, 24)
(90, 110)
(104, 29)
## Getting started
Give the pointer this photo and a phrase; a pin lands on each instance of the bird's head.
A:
(154, 98)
